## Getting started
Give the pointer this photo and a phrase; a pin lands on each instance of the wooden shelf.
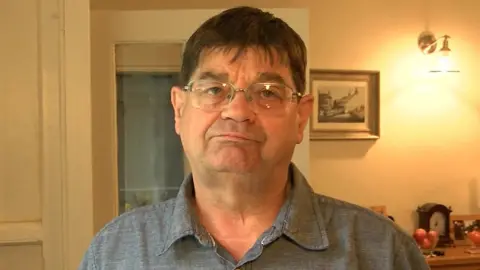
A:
(455, 259)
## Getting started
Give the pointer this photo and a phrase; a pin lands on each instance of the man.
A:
(240, 112)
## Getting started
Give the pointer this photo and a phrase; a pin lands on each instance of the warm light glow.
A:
(443, 62)
(429, 113)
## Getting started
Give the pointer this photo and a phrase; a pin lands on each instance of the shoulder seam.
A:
(333, 201)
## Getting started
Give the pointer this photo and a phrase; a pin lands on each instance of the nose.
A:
(239, 109)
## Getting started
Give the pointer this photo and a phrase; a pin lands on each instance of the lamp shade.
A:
(443, 62)
(443, 59)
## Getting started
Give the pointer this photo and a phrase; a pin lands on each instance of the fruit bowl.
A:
(426, 241)
(473, 237)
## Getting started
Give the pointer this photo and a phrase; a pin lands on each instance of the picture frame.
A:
(346, 104)
(457, 225)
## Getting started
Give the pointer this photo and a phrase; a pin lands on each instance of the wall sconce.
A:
(428, 45)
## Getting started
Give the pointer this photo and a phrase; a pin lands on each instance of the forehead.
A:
(244, 64)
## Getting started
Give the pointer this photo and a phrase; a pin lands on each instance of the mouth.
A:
(234, 136)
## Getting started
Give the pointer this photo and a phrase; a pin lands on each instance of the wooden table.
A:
(455, 259)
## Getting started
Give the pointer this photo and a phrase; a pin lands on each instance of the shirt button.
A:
(264, 241)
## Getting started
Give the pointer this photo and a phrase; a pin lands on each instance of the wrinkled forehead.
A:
(244, 63)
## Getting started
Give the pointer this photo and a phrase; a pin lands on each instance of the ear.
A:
(178, 99)
(304, 110)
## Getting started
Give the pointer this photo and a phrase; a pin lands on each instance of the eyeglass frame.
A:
(295, 95)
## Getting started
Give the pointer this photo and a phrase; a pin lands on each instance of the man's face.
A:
(238, 138)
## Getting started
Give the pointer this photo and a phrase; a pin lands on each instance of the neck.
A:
(239, 202)
(236, 209)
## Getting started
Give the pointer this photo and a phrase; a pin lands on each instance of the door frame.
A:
(65, 134)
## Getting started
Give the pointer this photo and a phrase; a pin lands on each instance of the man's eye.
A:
(271, 92)
(268, 93)
(213, 90)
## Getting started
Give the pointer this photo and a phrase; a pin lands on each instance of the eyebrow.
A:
(270, 77)
(213, 76)
(224, 77)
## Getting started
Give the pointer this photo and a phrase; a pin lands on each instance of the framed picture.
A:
(459, 224)
(346, 104)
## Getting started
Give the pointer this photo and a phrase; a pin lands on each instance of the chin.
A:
(234, 164)
(234, 168)
(234, 159)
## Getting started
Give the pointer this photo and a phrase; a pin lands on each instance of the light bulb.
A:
(444, 61)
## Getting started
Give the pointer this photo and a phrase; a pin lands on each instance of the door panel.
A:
(132, 52)
(13, 257)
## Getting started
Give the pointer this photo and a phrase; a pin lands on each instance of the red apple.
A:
(419, 235)
(432, 235)
(426, 244)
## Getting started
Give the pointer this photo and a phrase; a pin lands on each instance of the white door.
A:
(135, 60)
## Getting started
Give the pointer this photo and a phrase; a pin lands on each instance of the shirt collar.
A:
(183, 220)
(299, 219)
(303, 221)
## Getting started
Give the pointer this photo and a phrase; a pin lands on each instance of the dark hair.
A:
(243, 28)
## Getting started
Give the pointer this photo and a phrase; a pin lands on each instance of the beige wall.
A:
(430, 127)
(429, 149)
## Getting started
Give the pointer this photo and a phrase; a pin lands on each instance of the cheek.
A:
(195, 124)
(280, 130)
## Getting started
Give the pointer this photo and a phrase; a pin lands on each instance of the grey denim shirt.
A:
(311, 231)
